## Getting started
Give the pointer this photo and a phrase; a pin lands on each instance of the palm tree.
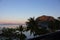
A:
(32, 26)
(21, 35)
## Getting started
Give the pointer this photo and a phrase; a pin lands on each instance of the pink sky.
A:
(13, 21)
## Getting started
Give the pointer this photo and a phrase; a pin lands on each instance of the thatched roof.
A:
(45, 18)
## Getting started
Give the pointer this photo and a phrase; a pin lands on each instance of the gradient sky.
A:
(18, 11)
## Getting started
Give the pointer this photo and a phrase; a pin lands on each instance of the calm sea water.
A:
(14, 26)
(9, 26)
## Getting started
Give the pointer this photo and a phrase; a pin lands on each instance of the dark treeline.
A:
(37, 26)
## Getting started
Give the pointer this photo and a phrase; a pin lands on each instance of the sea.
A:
(8, 25)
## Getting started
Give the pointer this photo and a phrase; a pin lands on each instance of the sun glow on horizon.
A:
(13, 21)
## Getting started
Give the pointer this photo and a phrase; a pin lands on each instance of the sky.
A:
(18, 11)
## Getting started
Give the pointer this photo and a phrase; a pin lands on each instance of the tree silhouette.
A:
(32, 25)
(57, 24)
(8, 32)
(21, 35)
(51, 26)
(54, 25)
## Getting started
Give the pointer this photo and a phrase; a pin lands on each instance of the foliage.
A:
(21, 35)
(31, 25)
(7, 32)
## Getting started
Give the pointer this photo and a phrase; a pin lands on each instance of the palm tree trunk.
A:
(21, 36)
